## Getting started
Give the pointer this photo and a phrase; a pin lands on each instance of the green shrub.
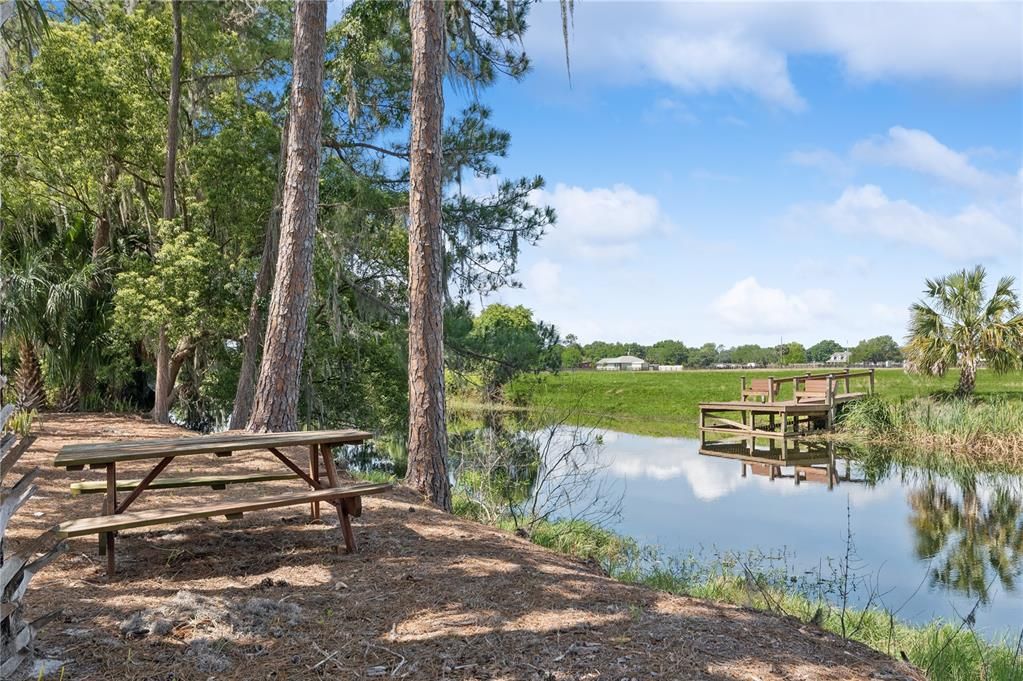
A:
(871, 416)
(21, 422)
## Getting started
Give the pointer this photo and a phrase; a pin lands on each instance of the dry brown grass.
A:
(429, 596)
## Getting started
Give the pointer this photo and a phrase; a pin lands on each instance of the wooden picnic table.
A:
(106, 455)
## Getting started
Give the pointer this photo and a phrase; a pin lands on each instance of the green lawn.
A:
(666, 404)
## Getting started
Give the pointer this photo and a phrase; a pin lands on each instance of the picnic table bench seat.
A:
(230, 509)
(217, 482)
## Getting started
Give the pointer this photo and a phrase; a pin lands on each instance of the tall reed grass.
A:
(989, 430)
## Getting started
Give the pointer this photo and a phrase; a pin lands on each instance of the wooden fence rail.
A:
(18, 567)
(768, 389)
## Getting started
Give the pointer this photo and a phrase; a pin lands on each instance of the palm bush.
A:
(957, 325)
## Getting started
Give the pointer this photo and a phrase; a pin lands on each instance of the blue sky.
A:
(745, 173)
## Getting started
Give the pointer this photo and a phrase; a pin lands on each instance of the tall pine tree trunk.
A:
(164, 382)
(245, 392)
(427, 440)
(275, 406)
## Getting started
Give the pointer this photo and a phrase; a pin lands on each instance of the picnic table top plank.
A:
(133, 450)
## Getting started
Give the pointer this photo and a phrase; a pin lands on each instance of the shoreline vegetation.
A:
(943, 649)
(910, 412)
(915, 420)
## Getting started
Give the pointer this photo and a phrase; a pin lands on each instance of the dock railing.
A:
(811, 386)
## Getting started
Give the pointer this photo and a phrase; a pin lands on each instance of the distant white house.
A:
(839, 358)
(623, 363)
(667, 367)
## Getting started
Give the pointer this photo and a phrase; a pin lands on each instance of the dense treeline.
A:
(872, 350)
(101, 280)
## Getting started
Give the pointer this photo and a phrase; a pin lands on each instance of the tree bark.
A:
(253, 342)
(275, 406)
(164, 382)
(161, 401)
(101, 235)
(173, 110)
(427, 440)
(967, 377)
(28, 379)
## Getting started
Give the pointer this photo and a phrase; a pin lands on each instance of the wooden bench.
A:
(815, 390)
(218, 482)
(348, 499)
(764, 388)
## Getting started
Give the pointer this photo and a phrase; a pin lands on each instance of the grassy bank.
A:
(946, 651)
(982, 431)
(666, 404)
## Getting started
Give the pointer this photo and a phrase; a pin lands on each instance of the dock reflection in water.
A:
(934, 542)
(778, 458)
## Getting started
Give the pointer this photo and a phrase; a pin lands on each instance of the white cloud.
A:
(543, 279)
(722, 62)
(746, 47)
(749, 307)
(972, 44)
(602, 223)
(886, 316)
(919, 151)
(974, 232)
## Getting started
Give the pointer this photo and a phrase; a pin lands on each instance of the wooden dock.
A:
(812, 406)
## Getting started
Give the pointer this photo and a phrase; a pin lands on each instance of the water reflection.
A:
(813, 461)
(933, 541)
(973, 535)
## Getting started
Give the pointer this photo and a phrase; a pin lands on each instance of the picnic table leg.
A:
(111, 509)
(344, 510)
(314, 473)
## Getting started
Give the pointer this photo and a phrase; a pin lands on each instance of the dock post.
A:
(832, 472)
(770, 389)
(831, 401)
(871, 380)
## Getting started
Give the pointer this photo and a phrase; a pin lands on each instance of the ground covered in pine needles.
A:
(429, 596)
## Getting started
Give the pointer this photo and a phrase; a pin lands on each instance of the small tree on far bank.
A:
(957, 325)
(506, 341)
(823, 351)
(875, 351)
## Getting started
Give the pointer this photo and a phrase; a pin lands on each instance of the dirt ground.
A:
(429, 596)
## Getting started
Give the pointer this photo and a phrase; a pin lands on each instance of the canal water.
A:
(923, 543)
(920, 543)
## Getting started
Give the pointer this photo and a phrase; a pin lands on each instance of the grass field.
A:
(666, 404)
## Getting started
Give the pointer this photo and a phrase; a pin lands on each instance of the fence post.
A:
(18, 567)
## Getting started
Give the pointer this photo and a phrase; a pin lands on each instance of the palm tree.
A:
(23, 289)
(958, 325)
